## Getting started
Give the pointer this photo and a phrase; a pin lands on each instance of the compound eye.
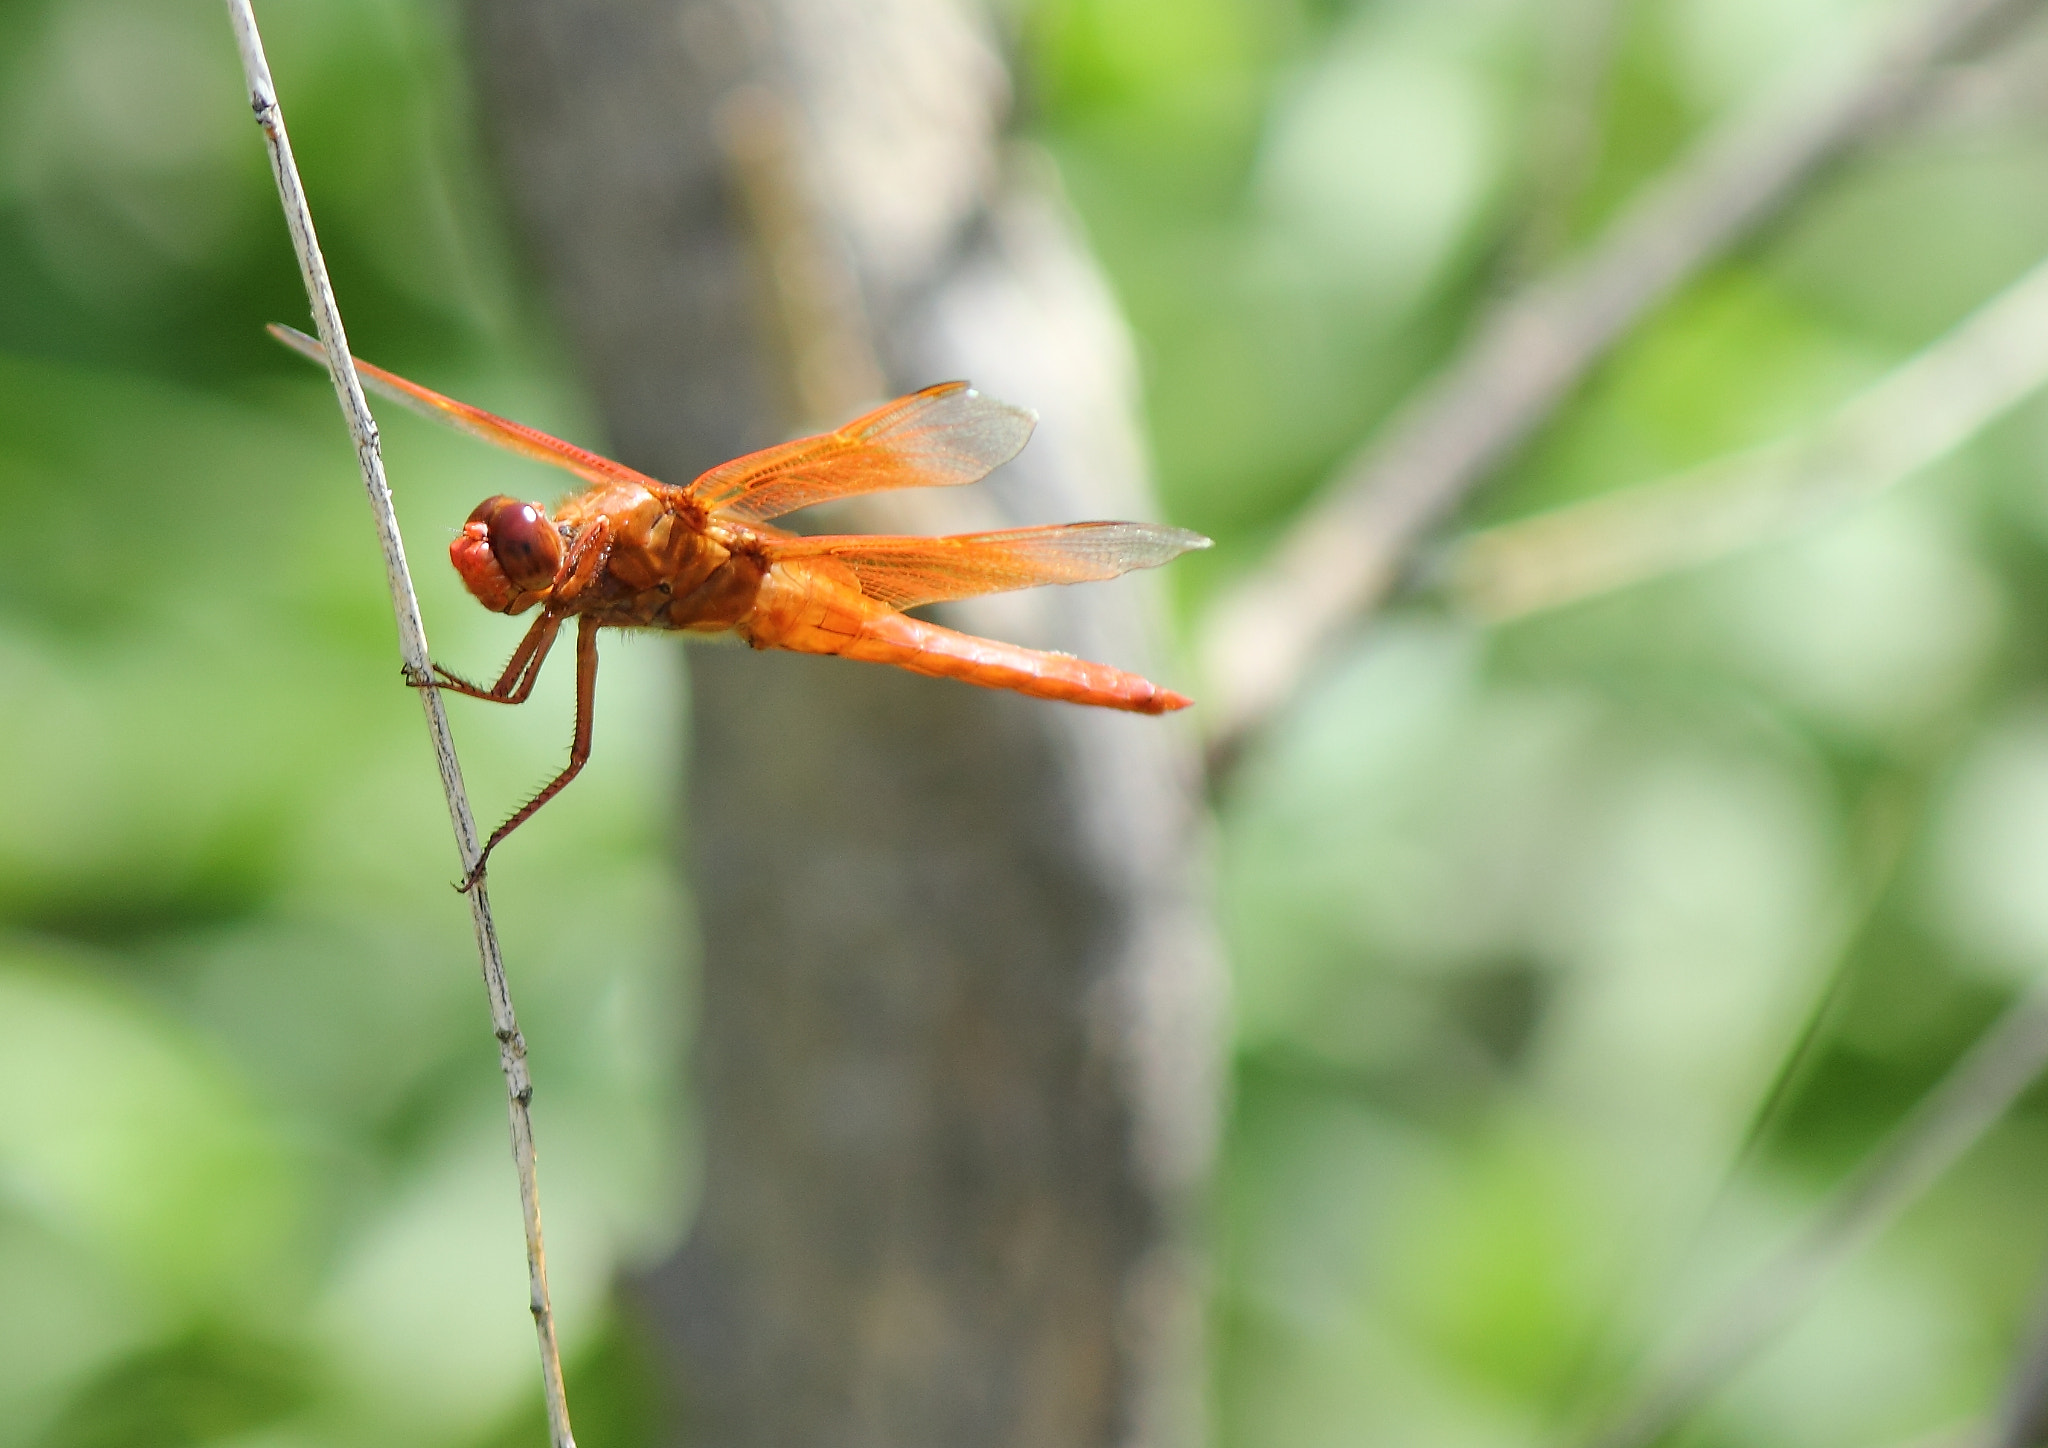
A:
(522, 540)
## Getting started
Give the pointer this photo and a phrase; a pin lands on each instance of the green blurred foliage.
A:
(1576, 960)
(254, 1181)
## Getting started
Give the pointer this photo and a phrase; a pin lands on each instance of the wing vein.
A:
(905, 572)
(944, 436)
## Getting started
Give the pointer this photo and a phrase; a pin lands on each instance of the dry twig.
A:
(412, 645)
(1345, 551)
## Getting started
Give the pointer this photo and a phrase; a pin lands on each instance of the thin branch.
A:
(1950, 1119)
(412, 645)
(2022, 1419)
(1915, 415)
(1345, 551)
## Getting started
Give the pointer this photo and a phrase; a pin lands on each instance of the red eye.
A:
(522, 540)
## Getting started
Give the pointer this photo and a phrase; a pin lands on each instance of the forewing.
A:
(512, 436)
(941, 437)
(905, 572)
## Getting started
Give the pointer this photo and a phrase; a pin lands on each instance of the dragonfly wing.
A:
(940, 437)
(512, 436)
(903, 572)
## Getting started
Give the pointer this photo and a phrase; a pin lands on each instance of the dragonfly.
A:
(631, 551)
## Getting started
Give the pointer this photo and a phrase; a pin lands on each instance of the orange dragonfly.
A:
(630, 551)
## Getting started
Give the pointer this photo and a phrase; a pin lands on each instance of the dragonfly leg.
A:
(586, 557)
(516, 682)
(579, 747)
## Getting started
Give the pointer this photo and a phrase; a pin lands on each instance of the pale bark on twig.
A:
(418, 665)
(1343, 553)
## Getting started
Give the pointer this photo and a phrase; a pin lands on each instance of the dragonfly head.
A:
(507, 554)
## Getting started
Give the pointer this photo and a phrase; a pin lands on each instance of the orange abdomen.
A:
(814, 612)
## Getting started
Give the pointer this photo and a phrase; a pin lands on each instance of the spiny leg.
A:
(579, 747)
(521, 670)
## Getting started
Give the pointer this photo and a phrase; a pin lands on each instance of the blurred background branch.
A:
(1565, 149)
(1943, 1126)
(2022, 1417)
(1915, 416)
(1340, 555)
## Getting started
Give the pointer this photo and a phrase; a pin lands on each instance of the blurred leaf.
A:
(198, 1390)
(131, 1140)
